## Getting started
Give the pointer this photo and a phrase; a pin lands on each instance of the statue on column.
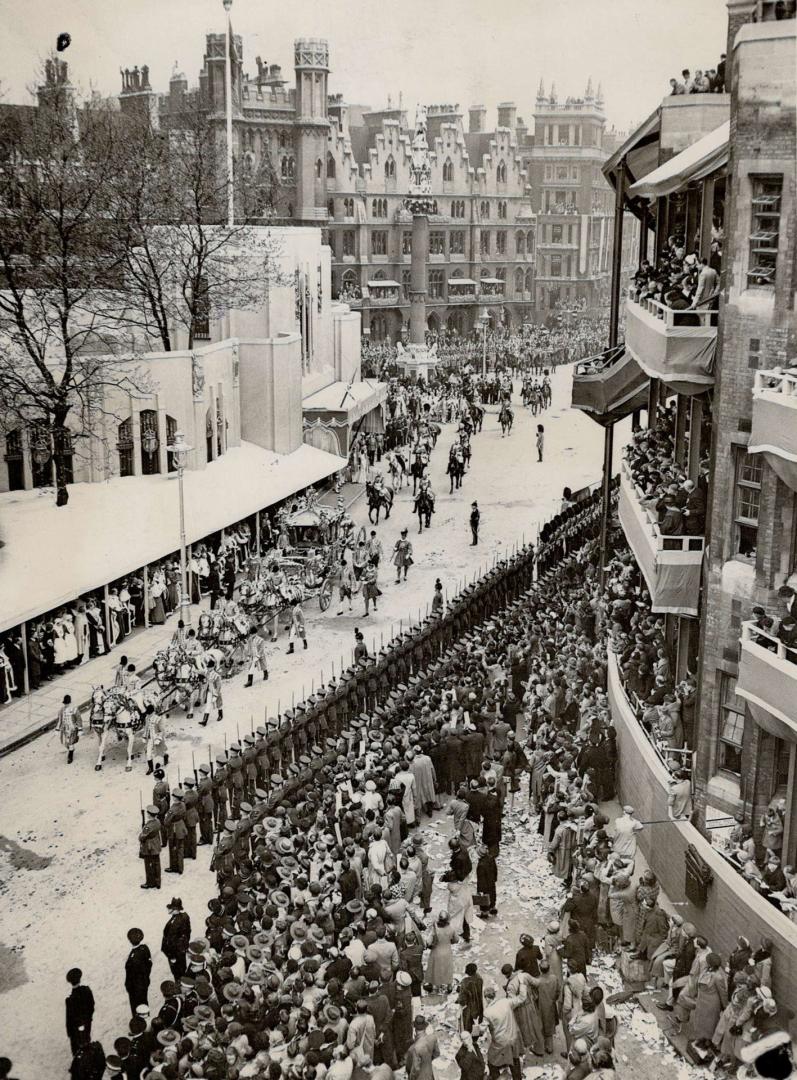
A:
(420, 169)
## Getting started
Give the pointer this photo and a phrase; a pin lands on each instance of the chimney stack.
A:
(477, 116)
(507, 115)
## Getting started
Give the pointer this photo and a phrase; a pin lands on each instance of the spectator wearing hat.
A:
(176, 937)
(471, 997)
(402, 1026)
(422, 1051)
(547, 987)
(506, 1046)
(138, 966)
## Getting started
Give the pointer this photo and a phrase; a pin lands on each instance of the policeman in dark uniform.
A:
(205, 805)
(149, 848)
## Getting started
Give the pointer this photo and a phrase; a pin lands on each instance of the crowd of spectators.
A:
(710, 81)
(326, 928)
(676, 503)
(574, 335)
(681, 281)
(612, 904)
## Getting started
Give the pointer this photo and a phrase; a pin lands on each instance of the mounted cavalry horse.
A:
(420, 460)
(424, 507)
(379, 498)
(456, 467)
(505, 418)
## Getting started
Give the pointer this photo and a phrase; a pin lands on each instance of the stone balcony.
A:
(678, 347)
(768, 682)
(671, 565)
(774, 431)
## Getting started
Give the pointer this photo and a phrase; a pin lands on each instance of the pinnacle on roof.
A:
(588, 92)
(541, 91)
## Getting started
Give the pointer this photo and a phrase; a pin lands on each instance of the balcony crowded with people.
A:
(676, 502)
(664, 707)
(681, 281)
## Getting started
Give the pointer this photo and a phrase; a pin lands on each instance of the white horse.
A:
(114, 711)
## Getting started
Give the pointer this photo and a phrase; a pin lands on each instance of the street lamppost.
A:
(484, 322)
(228, 99)
(180, 451)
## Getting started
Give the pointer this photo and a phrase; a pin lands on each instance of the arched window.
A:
(500, 172)
(529, 280)
(331, 207)
(530, 243)
(434, 207)
(454, 210)
(171, 431)
(501, 273)
(519, 279)
(282, 140)
(330, 167)
(124, 444)
(436, 283)
(284, 168)
(390, 168)
(406, 283)
(520, 243)
(379, 275)
(448, 171)
(209, 434)
(319, 169)
(291, 168)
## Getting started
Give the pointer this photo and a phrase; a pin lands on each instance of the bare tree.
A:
(184, 265)
(60, 268)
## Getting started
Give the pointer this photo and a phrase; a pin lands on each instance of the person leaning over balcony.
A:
(676, 88)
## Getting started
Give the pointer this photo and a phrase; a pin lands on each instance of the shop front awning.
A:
(380, 284)
(774, 430)
(610, 386)
(699, 160)
(349, 401)
(452, 281)
(671, 565)
(52, 555)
